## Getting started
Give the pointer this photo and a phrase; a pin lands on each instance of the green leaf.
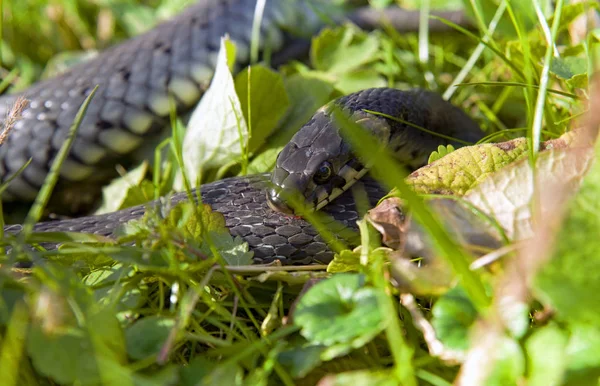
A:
(203, 372)
(146, 336)
(359, 80)
(194, 220)
(268, 101)
(466, 167)
(546, 355)
(351, 310)
(568, 67)
(300, 361)
(441, 152)
(217, 133)
(345, 261)
(507, 195)
(453, 316)
(306, 94)
(342, 50)
(234, 250)
(265, 161)
(126, 190)
(77, 354)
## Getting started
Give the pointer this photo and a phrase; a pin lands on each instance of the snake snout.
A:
(286, 191)
(277, 203)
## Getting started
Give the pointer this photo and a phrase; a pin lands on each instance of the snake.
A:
(176, 60)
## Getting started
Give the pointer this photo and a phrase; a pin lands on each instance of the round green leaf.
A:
(453, 315)
(340, 310)
(146, 336)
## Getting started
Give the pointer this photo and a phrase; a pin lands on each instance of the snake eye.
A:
(323, 173)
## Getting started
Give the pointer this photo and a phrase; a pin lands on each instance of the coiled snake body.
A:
(177, 59)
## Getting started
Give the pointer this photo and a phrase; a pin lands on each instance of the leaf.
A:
(441, 152)
(78, 354)
(546, 354)
(265, 161)
(466, 167)
(345, 261)
(359, 80)
(453, 316)
(234, 250)
(306, 95)
(342, 50)
(195, 220)
(268, 101)
(291, 278)
(351, 310)
(146, 336)
(217, 132)
(507, 195)
(300, 361)
(114, 290)
(127, 188)
(568, 67)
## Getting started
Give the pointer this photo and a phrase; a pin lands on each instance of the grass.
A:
(167, 305)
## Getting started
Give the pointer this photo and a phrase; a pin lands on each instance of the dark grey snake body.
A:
(177, 59)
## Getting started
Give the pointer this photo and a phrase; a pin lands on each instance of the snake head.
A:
(316, 166)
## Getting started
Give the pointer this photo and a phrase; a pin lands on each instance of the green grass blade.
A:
(536, 130)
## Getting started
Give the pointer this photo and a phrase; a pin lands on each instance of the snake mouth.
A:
(277, 203)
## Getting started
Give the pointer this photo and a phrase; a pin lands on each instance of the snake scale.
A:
(177, 58)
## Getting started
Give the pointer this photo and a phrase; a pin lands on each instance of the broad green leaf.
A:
(342, 50)
(299, 361)
(546, 356)
(234, 250)
(568, 67)
(113, 288)
(345, 261)
(195, 220)
(291, 278)
(359, 80)
(351, 310)
(466, 167)
(268, 102)
(127, 189)
(78, 354)
(146, 336)
(217, 132)
(507, 195)
(264, 162)
(453, 316)
(307, 94)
